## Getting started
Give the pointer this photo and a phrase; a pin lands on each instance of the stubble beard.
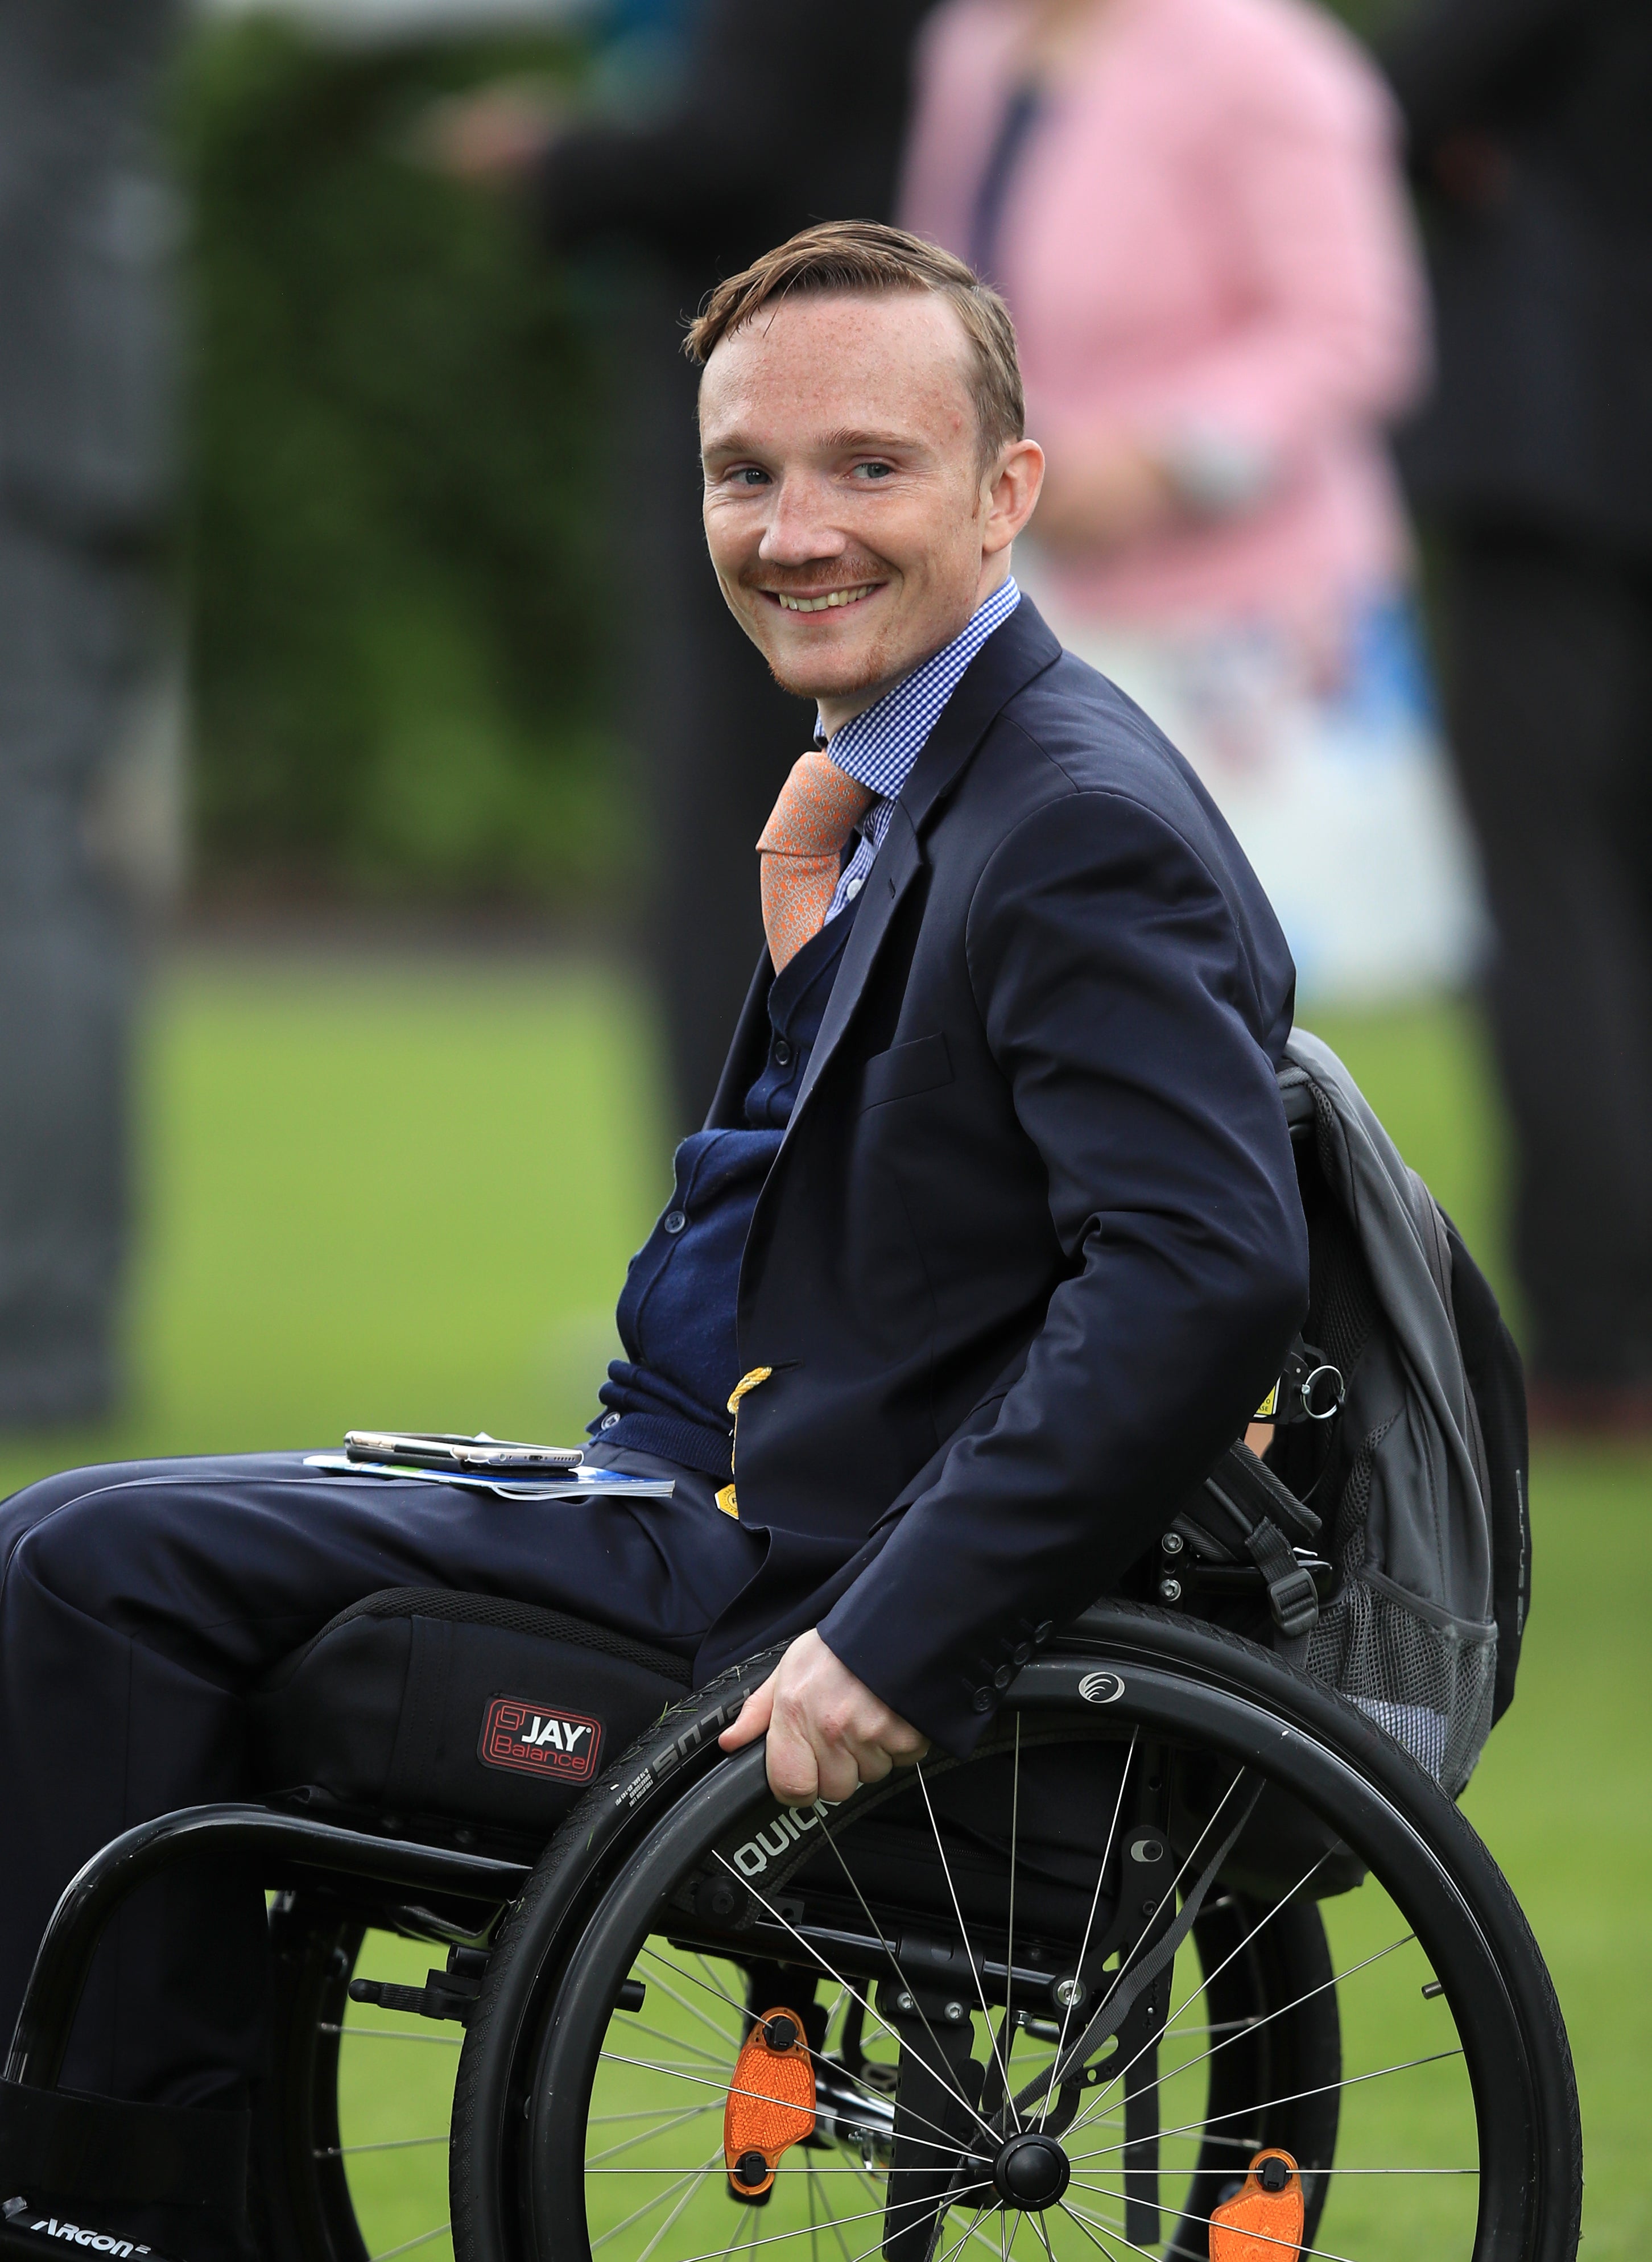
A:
(873, 669)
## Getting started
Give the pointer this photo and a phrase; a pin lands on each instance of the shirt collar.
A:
(879, 746)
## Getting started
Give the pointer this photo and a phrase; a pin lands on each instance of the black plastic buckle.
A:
(1293, 1600)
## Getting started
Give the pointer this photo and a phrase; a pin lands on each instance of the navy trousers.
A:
(139, 1603)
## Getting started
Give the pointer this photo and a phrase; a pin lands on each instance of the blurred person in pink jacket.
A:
(1194, 209)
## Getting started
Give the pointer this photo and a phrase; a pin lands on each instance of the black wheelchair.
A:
(1188, 1960)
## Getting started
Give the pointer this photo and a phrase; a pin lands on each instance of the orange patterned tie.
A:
(801, 851)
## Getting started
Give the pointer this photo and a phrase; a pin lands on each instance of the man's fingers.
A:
(828, 1733)
(754, 1716)
(794, 1768)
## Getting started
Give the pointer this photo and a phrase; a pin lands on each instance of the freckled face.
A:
(845, 500)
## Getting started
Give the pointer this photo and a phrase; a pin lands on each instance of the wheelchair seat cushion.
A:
(455, 1715)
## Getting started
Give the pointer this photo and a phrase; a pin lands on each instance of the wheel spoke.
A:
(677, 2042)
(643, 2135)
(659, 2199)
(388, 2035)
(780, 2237)
(1096, 2231)
(1248, 2027)
(1060, 2068)
(1267, 2104)
(386, 2145)
(1007, 2031)
(843, 2243)
(746, 1884)
(1089, 1925)
(1262, 2237)
(963, 1935)
(647, 2065)
(711, 1987)
(647, 2112)
(694, 2185)
(970, 2232)
(889, 1951)
(729, 2041)
(408, 2245)
(741, 2234)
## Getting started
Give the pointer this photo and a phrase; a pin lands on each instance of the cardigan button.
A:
(1022, 1651)
(1002, 1678)
(982, 1700)
(1043, 1634)
(782, 1051)
(674, 1222)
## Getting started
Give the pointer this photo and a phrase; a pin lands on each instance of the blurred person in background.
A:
(1196, 211)
(1531, 135)
(781, 115)
(85, 240)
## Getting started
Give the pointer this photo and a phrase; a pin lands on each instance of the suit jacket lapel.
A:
(899, 864)
(1005, 664)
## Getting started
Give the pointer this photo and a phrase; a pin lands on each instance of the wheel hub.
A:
(1031, 2172)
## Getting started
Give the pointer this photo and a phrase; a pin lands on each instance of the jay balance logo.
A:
(539, 1739)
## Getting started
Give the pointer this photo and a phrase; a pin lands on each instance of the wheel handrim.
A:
(1489, 2077)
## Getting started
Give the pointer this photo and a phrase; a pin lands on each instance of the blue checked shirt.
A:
(879, 748)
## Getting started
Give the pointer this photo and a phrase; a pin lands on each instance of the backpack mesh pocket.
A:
(1428, 1684)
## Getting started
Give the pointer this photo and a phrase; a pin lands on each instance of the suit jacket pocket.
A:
(904, 1070)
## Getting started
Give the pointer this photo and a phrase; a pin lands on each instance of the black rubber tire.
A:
(1181, 1678)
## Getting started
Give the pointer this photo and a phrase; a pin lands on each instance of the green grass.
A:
(404, 1191)
(399, 1194)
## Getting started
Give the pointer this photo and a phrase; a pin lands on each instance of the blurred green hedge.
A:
(396, 621)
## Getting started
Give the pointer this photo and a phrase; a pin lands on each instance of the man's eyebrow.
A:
(888, 443)
(729, 444)
(844, 441)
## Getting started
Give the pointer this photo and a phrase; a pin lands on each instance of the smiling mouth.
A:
(828, 600)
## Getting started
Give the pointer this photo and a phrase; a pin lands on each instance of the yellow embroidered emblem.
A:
(747, 1382)
(725, 1498)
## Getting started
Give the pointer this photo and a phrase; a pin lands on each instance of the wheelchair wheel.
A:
(353, 2130)
(1188, 1960)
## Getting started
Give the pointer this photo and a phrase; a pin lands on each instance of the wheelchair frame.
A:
(1183, 1677)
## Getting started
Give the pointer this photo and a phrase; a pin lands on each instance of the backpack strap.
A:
(1293, 1600)
(1242, 1512)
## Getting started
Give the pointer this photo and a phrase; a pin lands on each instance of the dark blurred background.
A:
(400, 647)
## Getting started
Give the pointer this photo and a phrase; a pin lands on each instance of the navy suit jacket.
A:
(1032, 1248)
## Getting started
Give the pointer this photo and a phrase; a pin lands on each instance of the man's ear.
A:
(1009, 491)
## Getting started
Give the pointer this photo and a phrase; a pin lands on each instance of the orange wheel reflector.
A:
(1262, 2224)
(770, 2103)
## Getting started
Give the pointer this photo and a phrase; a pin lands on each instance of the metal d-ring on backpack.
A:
(1390, 1524)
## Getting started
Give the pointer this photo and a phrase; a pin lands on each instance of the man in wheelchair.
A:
(990, 1245)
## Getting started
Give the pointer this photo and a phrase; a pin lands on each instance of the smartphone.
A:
(441, 1449)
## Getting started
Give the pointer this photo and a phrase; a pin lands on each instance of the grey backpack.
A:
(1389, 1523)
